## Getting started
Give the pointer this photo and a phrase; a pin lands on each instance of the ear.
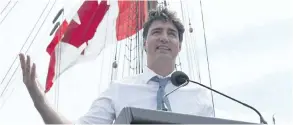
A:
(144, 45)
(180, 46)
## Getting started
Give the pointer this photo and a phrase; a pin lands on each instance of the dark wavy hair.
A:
(163, 14)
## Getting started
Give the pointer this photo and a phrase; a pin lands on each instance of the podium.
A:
(131, 115)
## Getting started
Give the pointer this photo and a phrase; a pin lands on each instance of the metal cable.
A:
(5, 7)
(26, 50)
(206, 48)
(8, 12)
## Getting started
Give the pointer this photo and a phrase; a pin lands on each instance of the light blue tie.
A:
(161, 93)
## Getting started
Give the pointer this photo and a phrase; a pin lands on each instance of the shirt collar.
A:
(148, 74)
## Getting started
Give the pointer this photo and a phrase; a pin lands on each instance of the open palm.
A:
(30, 80)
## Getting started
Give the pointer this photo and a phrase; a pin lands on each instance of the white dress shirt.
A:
(140, 92)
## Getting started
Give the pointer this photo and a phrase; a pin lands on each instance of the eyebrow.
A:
(172, 30)
(159, 28)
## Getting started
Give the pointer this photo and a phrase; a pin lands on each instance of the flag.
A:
(94, 26)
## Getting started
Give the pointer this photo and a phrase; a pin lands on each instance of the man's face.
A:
(162, 41)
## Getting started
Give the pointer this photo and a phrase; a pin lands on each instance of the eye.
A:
(155, 32)
(173, 34)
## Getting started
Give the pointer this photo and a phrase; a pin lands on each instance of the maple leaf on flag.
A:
(86, 32)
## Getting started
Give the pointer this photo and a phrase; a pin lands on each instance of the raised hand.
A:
(37, 94)
(30, 80)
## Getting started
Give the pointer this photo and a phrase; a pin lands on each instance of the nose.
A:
(164, 38)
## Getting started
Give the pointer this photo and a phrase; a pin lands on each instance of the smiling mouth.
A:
(163, 48)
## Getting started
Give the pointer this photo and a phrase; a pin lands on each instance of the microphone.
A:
(180, 78)
(173, 80)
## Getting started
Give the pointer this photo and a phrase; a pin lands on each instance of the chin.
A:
(164, 56)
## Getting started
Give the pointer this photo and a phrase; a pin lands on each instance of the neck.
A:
(162, 68)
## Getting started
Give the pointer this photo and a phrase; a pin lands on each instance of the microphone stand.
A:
(165, 96)
(262, 121)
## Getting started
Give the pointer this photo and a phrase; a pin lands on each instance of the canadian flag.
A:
(94, 26)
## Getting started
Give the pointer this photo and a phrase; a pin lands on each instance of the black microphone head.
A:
(178, 78)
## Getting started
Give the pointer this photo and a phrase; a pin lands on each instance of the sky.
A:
(249, 43)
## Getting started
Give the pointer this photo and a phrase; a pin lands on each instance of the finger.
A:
(33, 72)
(28, 65)
(22, 63)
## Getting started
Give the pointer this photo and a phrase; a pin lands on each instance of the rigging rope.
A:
(8, 12)
(124, 58)
(5, 100)
(118, 58)
(5, 7)
(205, 41)
(59, 62)
(136, 38)
(194, 56)
(128, 46)
(114, 64)
(28, 47)
(131, 51)
(140, 42)
(186, 42)
(103, 47)
(24, 44)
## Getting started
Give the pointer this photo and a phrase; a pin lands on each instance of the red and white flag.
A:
(94, 26)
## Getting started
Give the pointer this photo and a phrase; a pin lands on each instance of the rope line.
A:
(206, 48)
(28, 47)
(8, 13)
(5, 7)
